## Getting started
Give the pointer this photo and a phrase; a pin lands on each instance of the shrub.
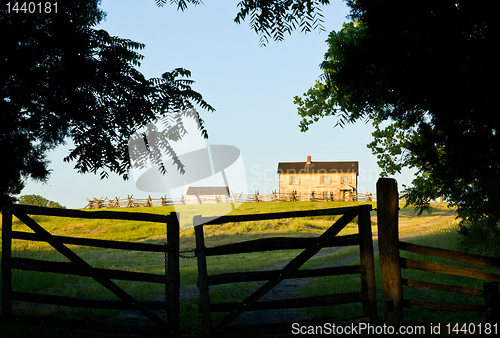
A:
(481, 238)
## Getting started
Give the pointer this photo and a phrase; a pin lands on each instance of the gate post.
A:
(6, 263)
(206, 321)
(368, 284)
(388, 238)
(173, 281)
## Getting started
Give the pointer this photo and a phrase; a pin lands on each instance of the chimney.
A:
(308, 159)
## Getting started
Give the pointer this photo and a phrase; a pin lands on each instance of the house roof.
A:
(200, 191)
(317, 167)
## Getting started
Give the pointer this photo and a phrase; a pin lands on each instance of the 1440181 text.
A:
(32, 7)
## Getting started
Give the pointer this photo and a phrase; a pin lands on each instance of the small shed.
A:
(207, 191)
(207, 194)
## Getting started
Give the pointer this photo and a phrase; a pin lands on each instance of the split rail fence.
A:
(392, 265)
(77, 266)
(130, 202)
(311, 246)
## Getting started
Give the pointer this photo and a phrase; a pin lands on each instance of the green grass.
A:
(74, 286)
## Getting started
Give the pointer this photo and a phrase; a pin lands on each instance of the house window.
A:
(324, 179)
(294, 180)
(345, 179)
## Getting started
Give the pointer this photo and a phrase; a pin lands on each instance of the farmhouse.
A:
(325, 179)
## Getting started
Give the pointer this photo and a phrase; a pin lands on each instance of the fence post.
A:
(173, 275)
(492, 302)
(368, 284)
(388, 238)
(206, 321)
(7, 263)
(256, 196)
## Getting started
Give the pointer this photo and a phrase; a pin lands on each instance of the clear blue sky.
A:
(251, 88)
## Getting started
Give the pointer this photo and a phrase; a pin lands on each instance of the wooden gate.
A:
(77, 266)
(391, 264)
(311, 246)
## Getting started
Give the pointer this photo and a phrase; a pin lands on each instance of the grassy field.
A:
(435, 229)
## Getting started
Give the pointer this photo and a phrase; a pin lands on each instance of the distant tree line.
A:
(39, 201)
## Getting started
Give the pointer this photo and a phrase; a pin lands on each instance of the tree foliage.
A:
(62, 78)
(423, 74)
(272, 19)
(39, 201)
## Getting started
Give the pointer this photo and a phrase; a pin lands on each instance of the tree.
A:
(61, 78)
(39, 201)
(424, 75)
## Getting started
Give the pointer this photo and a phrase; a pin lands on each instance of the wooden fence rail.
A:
(391, 264)
(77, 266)
(311, 246)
